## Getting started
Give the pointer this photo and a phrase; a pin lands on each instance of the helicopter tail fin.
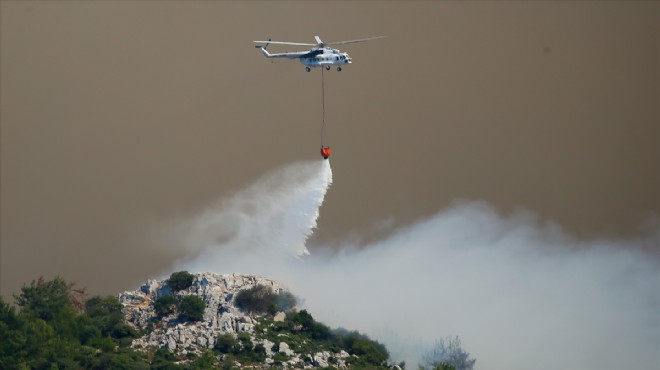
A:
(265, 52)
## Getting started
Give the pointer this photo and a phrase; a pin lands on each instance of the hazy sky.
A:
(118, 117)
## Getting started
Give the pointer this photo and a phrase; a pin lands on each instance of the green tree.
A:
(164, 360)
(105, 313)
(12, 332)
(41, 338)
(123, 359)
(258, 353)
(51, 328)
(165, 305)
(226, 343)
(246, 342)
(205, 361)
(191, 308)
(262, 299)
(304, 322)
(44, 299)
(303, 319)
(255, 299)
(51, 332)
(180, 280)
(368, 351)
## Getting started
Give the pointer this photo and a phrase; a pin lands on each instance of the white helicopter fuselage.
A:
(326, 57)
(318, 57)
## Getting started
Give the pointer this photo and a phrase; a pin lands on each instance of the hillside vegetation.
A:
(54, 326)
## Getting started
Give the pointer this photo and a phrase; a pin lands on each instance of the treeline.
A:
(307, 336)
(54, 329)
(54, 326)
(298, 330)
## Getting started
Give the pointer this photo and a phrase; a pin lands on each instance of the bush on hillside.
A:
(226, 343)
(191, 308)
(180, 280)
(448, 354)
(262, 299)
(105, 313)
(165, 305)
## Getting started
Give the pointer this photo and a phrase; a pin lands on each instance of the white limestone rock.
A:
(284, 348)
(221, 316)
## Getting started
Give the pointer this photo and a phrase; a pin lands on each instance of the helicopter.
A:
(321, 55)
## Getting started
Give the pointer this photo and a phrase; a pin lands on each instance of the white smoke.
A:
(519, 294)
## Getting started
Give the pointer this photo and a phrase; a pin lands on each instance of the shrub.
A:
(260, 352)
(281, 357)
(180, 280)
(448, 354)
(284, 301)
(262, 299)
(255, 299)
(191, 308)
(368, 351)
(226, 343)
(105, 313)
(205, 361)
(304, 322)
(165, 305)
(246, 342)
(247, 351)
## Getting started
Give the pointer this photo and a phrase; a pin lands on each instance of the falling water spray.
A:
(267, 223)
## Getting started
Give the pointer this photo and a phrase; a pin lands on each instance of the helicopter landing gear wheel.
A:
(327, 68)
(307, 69)
(338, 69)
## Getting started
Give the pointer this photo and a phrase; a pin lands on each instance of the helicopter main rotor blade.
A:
(352, 41)
(284, 43)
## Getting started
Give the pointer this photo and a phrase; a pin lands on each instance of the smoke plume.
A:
(520, 294)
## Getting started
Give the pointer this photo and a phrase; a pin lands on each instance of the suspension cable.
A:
(322, 104)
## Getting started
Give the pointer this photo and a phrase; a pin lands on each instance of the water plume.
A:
(269, 222)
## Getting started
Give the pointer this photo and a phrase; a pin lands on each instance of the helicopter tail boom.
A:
(295, 55)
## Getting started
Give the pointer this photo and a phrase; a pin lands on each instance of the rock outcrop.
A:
(221, 316)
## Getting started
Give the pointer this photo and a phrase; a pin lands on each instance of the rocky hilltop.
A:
(220, 315)
(286, 342)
